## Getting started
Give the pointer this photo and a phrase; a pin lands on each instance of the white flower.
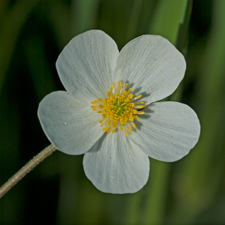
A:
(107, 110)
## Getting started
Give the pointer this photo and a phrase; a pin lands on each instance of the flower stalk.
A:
(26, 169)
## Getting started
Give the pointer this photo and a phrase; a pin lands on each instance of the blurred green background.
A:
(32, 34)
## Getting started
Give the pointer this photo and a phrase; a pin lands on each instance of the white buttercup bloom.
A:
(108, 110)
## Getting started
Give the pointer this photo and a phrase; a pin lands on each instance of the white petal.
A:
(71, 127)
(152, 65)
(114, 166)
(167, 132)
(86, 65)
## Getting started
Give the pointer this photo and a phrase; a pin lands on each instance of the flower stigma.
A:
(118, 109)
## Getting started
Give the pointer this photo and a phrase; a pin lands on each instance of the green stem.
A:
(26, 169)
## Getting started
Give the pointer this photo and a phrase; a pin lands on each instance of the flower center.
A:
(119, 109)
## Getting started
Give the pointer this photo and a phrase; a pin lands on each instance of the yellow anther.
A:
(113, 125)
(133, 124)
(117, 95)
(117, 109)
(130, 128)
(130, 96)
(125, 86)
(139, 106)
(124, 93)
(131, 118)
(140, 112)
(139, 96)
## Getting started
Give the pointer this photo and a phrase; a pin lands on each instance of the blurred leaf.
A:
(166, 24)
(134, 18)
(43, 81)
(10, 209)
(3, 6)
(83, 15)
(10, 29)
(59, 19)
(166, 20)
(182, 35)
(200, 180)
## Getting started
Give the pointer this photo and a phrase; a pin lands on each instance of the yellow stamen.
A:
(139, 96)
(124, 92)
(130, 96)
(129, 128)
(140, 112)
(118, 109)
(113, 125)
(139, 106)
(133, 124)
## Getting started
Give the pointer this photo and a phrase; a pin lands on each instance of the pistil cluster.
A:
(119, 109)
